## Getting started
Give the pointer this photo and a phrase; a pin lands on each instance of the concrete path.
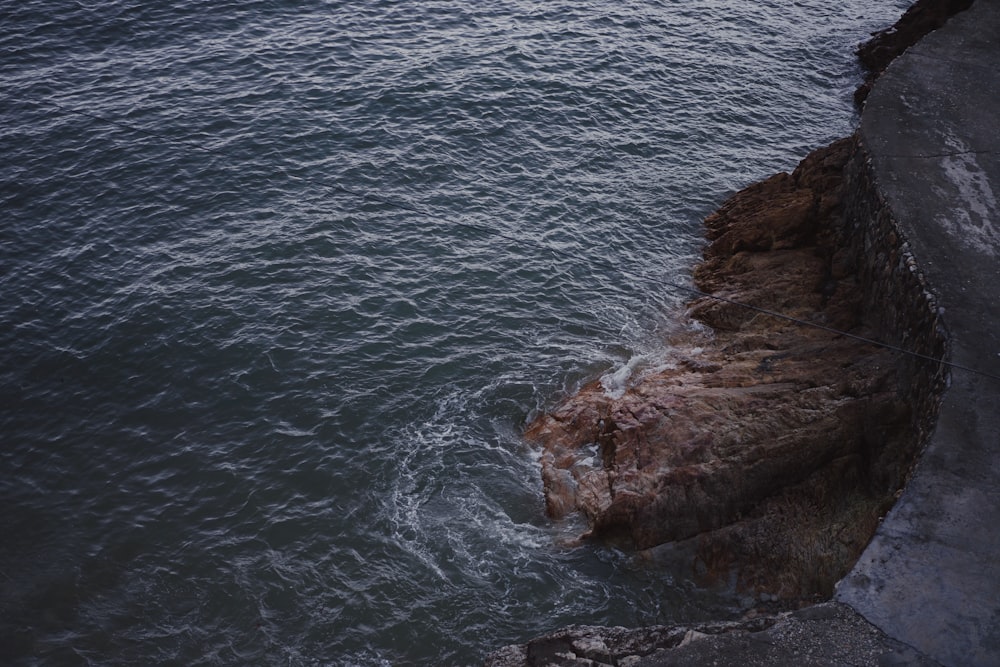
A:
(931, 576)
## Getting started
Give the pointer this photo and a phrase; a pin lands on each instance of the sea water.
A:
(282, 282)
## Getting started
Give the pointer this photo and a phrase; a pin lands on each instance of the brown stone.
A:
(758, 439)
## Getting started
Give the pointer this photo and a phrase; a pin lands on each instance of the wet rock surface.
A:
(767, 449)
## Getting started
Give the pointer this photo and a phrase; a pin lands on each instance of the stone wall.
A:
(897, 301)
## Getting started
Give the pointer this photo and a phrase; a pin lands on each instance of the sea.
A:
(281, 284)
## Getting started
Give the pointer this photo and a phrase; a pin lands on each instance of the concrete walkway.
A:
(931, 576)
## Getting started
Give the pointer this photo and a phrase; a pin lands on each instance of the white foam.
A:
(616, 382)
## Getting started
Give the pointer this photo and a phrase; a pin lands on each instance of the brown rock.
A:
(757, 441)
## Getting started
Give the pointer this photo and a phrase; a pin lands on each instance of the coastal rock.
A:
(768, 448)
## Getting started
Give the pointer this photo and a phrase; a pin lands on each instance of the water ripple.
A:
(255, 412)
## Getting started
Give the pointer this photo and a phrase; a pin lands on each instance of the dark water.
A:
(270, 337)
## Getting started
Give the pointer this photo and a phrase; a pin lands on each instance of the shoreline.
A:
(766, 452)
(822, 230)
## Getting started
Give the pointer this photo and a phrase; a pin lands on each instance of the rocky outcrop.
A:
(767, 449)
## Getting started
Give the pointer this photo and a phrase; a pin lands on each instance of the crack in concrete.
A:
(940, 155)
